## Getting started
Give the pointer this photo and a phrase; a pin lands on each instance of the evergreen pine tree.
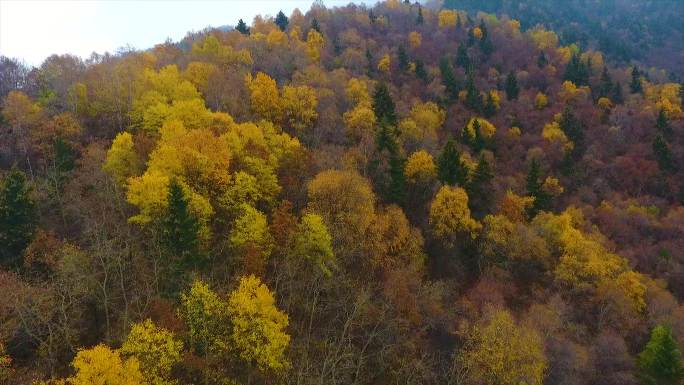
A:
(473, 98)
(617, 97)
(635, 85)
(419, 18)
(471, 38)
(485, 42)
(315, 26)
(281, 21)
(242, 27)
(512, 89)
(462, 59)
(459, 23)
(662, 153)
(180, 229)
(388, 165)
(541, 60)
(663, 125)
(17, 218)
(450, 168)
(606, 85)
(369, 60)
(403, 58)
(449, 79)
(489, 108)
(480, 186)
(421, 73)
(660, 363)
(383, 105)
(535, 190)
(577, 72)
(572, 127)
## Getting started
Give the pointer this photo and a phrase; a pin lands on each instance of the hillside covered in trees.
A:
(402, 194)
(647, 32)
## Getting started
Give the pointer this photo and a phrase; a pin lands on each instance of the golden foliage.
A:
(447, 18)
(450, 215)
(540, 101)
(258, 326)
(264, 97)
(122, 162)
(384, 63)
(414, 39)
(420, 167)
(501, 352)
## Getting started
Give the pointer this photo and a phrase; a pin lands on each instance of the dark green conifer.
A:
(512, 89)
(18, 218)
(282, 21)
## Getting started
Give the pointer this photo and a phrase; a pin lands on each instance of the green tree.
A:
(17, 217)
(485, 41)
(242, 27)
(606, 84)
(663, 125)
(535, 189)
(635, 85)
(403, 58)
(449, 80)
(451, 169)
(660, 363)
(473, 99)
(421, 73)
(462, 59)
(542, 61)
(480, 187)
(281, 21)
(388, 165)
(512, 89)
(419, 19)
(180, 236)
(663, 154)
(315, 26)
(383, 105)
(577, 71)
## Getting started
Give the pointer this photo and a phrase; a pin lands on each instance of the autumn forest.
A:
(406, 193)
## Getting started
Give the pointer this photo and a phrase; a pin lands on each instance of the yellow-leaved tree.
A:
(101, 365)
(299, 108)
(258, 327)
(156, 349)
(450, 215)
(264, 97)
(498, 351)
(122, 162)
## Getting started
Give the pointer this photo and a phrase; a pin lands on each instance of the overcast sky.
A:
(34, 29)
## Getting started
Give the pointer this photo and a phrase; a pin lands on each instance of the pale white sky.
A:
(34, 29)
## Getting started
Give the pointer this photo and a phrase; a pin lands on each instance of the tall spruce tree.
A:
(18, 218)
(617, 97)
(242, 27)
(660, 363)
(512, 89)
(663, 125)
(383, 105)
(450, 168)
(473, 98)
(606, 85)
(180, 229)
(486, 45)
(449, 80)
(419, 19)
(462, 59)
(282, 21)
(479, 187)
(577, 71)
(635, 85)
(403, 58)
(535, 189)
(315, 26)
(388, 165)
(542, 61)
(663, 154)
(421, 73)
